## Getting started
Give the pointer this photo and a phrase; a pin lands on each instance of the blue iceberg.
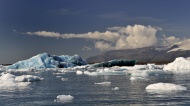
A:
(45, 60)
(115, 63)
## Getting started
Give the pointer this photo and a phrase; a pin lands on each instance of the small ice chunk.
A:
(58, 76)
(134, 78)
(79, 72)
(103, 83)
(115, 88)
(58, 73)
(64, 98)
(165, 87)
(90, 73)
(64, 79)
(80, 67)
(28, 78)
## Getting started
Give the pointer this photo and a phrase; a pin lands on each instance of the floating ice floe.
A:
(28, 78)
(22, 70)
(90, 73)
(144, 67)
(80, 67)
(59, 76)
(133, 78)
(103, 83)
(2, 68)
(137, 70)
(106, 71)
(111, 70)
(79, 72)
(165, 87)
(9, 83)
(9, 80)
(179, 65)
(115, 88)
(58, 73)
(64, 98)
(7, 77)
(141, 72)
(146, 73)
(48, 61)
(64, 79)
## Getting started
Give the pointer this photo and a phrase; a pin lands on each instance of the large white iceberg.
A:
(180, 63)
(165, 87)
(48, 61)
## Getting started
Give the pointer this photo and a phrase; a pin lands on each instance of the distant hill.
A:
(159, 55)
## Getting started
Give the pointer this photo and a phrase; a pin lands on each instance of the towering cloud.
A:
(166, 41)
(115, 38)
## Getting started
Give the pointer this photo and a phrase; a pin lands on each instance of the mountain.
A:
(147, 55)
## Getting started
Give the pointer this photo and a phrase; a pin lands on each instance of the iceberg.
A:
(5, 84)
(45, 60)
(7, 76)
(8, 80)
(115, 63)
(90, 73)
(28, 78)
(106, 71)
(22, 78)
(165, 87)
(179, 64)
(144, 67)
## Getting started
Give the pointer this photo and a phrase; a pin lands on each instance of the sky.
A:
(88, 27)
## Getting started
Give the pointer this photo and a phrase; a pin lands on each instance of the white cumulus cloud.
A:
(166, 41)
(116, 38)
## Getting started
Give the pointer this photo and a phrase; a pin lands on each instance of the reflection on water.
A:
(85, 92)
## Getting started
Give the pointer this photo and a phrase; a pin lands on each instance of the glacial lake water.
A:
(86, 93)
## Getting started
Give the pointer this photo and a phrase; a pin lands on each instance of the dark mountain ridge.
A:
(159, 55)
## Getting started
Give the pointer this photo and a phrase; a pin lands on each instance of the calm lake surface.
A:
(86, 93)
